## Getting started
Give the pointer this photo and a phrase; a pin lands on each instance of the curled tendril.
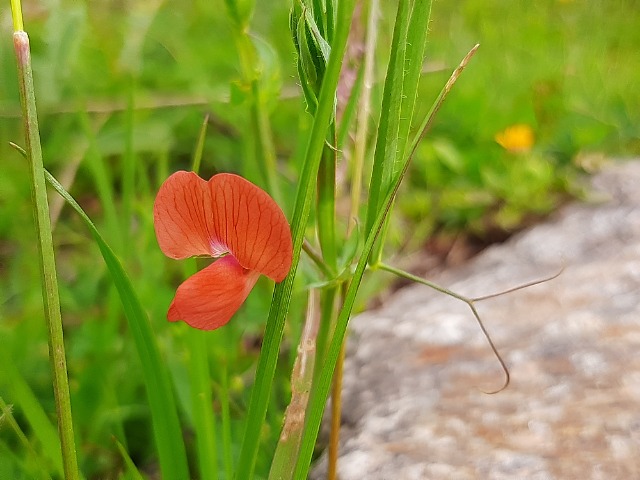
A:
(471, 303)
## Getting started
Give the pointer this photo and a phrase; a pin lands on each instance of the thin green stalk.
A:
(7, 417)
(46, 254)
(197, 154)
(282, 292)
(16, 15)
(103, 182)
(336, 417)
(283, 464)
(265, 152)
(43, 430)
(128, 164)
(326, 203)
(260, 135)
(362, 127)
(131, 467)
(202, 401)
(316, 258)
(327, 322)
(414, 57)
(321, 389)
(387, 138)
(226, 420)
(358, 166)
(403, 82)
(350, 110)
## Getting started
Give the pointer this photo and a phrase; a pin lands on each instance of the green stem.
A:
(226, 420)
(282, 292)
(326, 203)
(128, 166)
(46, 256)
(284, 459)
(265, 152)
(320, 390)
(6, 417)
(336, 417)
(362, 128)
(197, 154)
(328, 311)
(202, 403)
(387, 138)
(16, 14)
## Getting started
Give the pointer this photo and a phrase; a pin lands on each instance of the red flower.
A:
(226, 217)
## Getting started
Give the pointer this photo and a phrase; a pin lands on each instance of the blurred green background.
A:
(127, 84)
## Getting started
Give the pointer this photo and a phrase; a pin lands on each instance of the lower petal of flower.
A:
(208, 299)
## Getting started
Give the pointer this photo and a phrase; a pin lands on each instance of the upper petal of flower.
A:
(208, 299)
(226, 214)
(181, 215)
(251, 225)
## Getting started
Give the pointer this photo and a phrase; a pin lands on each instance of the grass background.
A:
(122, 91)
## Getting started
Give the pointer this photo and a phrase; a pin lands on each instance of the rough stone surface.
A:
(413, 405)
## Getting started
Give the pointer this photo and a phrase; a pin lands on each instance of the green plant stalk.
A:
(356, 191)
(357, 172)
(260, 135)
(7, 416)
(265, 152)
(46, 256)
(226, 421)
(336, 417)
(362, 126)
(324, 11)
(327, 317)
(414, 57)
(283, 464)
(282, 292)
(129, 165)
(350, 110)
(416, 41)
(131, 467)
(320, 391)
(202, 401)
(166, 425)
(387, 138)
(197, 154)
(103, 183)
(41, 426)
(326, 204)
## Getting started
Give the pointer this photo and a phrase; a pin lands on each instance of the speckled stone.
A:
(416, 368)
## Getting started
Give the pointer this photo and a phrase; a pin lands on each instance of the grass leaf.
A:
(164, 415)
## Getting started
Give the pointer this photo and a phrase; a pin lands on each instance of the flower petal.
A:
(251, 225)
(208, 299)
(181, 214)
(226, 214)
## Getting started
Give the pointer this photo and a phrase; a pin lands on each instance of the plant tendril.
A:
(471, 303)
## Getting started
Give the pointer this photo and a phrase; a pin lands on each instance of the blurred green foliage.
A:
(125, 82)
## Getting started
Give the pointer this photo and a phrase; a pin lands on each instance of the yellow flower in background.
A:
(516, 138)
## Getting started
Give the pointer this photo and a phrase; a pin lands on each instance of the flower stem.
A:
(282, 292)
(50, 294)
(283, 464)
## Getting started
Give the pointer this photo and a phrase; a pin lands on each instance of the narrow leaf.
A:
(164, 415)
